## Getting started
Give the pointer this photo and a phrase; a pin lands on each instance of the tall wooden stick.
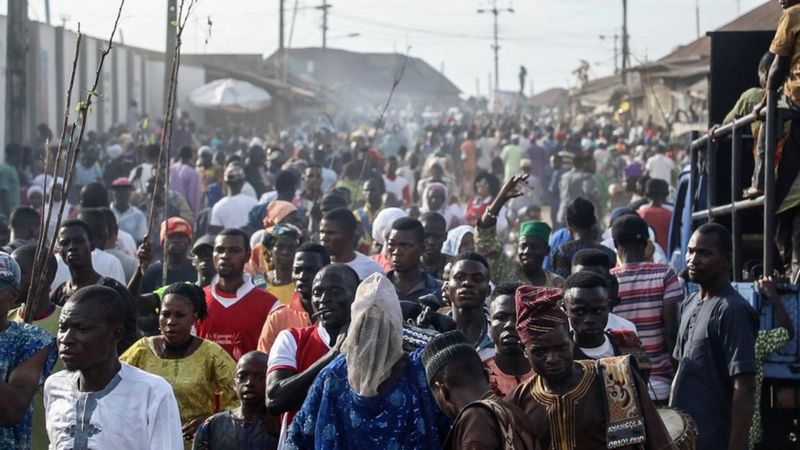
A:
(40, 258)
(166, 137)
(379, 123)
(73, 150)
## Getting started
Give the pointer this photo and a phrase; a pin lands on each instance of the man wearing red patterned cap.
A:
(579, 404)
(179, 266)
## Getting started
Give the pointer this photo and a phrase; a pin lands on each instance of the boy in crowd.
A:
(248, 426)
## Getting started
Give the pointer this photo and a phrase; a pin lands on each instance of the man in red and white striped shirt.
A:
(649, 297)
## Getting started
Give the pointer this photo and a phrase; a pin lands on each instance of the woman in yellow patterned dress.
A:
(200, 371)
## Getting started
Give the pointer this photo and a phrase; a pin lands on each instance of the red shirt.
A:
(296, 349)
(659, 218)
(235, 320)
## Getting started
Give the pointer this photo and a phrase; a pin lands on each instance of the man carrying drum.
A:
(572, 404)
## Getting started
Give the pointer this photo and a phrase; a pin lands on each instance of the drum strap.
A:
(501, 416)
(624, 419)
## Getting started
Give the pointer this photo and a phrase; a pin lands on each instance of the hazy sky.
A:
(549, 37)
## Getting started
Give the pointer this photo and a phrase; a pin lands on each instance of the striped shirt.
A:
(644, 289)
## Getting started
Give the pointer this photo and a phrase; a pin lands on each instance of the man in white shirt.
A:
(142, 173)
(337, 233)
(104, 263)
(232, 210)
(660, 166)
(396, 184)
(587, 305)
(130, 219)
(100, 402)
(129, 263)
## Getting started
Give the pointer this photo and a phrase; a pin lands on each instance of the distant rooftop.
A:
(375, 72)
(762, 18)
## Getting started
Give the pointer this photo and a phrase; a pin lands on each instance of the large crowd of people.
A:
(469, 281)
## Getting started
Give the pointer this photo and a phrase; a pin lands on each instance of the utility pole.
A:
(603, 37)
(169, 53)
(697, 17)
(626, 60)
(47, 11)
(324, 8)
(281, 24)
(16, 71)
(496, 47)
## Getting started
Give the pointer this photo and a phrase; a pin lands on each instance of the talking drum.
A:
(681, 428)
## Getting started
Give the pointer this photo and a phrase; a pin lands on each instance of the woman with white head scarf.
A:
(435, 198)
(380, 230)
(383, 223)
(374, 395)
(459, 240)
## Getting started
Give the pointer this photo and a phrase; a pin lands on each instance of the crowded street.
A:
(214, 246)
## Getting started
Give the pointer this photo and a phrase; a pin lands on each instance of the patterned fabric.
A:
(538, 311)
(499, 414)
(195, 379)
(644, 290)
(625, 424)
(627, 342)
(18, 343)
(49, 323)
(551, 280)
(403, 416)
(502, 269)
(767, 342)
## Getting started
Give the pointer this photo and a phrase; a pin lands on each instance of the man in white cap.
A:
(374, 395)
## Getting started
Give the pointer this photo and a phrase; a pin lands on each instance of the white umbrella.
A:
(230, 95)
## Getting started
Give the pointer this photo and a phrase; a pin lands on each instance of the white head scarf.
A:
(454, 238)
(434, 185)
(383, 223)
(450, 211)
(256, 142)
(374, 342)
(114, 151)
(35, 188)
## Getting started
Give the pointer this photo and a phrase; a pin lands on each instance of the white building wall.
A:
(69, 56)
(121, 89)
(189, 79)
(154, 71)
(46, 79)
(147, 84)
(90, 69)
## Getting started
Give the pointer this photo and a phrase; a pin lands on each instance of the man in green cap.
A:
(532, 246)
